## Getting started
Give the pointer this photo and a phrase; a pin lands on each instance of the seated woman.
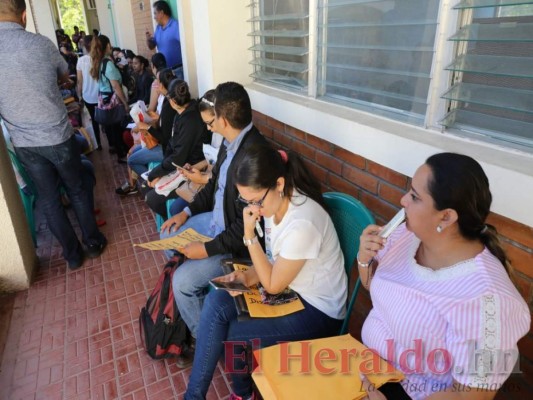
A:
(140, 156)
(185, 145)
(302, 253)
(143, 79)
(206, 105)
(440, 280)
(157, 64)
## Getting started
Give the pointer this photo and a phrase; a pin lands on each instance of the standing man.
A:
(36, 117)
(166, 37)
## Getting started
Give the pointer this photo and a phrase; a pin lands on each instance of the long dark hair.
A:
(178, 91)
(262, 165)
(98, 46)
(166, 76)
(207, 102)
(458, 182)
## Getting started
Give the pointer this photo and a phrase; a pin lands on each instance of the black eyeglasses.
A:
(210, 124)
(254, 203)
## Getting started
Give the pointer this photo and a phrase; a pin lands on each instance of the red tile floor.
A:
(75, 334)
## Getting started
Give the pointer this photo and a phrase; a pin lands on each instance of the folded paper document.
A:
(175, 242)
(326, 368)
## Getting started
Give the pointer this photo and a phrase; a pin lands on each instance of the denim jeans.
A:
(139, 160)
(177, 206)
(191, 280)
(220, 329)
(49, 167)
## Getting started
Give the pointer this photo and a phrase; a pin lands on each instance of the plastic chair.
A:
(28, 200)
(350, 217)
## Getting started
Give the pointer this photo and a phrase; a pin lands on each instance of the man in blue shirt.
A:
(166, 37)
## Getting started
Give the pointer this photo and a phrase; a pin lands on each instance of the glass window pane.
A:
(493, 94)
(281, 41)
(377, 55)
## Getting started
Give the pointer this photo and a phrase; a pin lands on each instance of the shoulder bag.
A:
(109, 110)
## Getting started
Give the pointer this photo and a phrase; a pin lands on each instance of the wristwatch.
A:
(249, 242)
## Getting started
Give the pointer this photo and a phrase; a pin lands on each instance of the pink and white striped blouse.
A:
(458, 323)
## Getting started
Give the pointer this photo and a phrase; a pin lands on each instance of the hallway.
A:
(75, 334)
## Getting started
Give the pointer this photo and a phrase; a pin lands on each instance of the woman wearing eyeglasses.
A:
(185, 145)
(206, 106)
(302, 253)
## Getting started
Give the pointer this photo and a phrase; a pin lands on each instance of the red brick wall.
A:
(142, 20)
(380, 189)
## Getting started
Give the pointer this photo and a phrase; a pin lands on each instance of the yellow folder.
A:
(326, 368)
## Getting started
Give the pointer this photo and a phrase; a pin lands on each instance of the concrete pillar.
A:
(17, 253)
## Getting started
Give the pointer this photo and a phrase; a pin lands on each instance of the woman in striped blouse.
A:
(444, 309)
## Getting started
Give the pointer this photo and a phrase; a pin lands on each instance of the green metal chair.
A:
(349, 217)
(28, 201)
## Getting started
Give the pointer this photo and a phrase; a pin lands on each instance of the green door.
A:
(173, 7)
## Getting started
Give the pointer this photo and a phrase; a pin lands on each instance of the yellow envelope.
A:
(257, 309)
(326, 368)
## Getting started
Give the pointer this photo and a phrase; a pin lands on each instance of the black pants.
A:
(96, 125)
(394, 391)
(114, 137)
(157, 202)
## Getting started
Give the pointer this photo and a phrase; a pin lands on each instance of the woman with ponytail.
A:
(440, 282)
(302, 254)
(109, 80)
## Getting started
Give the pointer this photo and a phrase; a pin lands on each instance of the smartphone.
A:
(393, 224)
(180, 168)
(230, 286)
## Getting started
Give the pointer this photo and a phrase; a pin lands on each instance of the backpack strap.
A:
(103, 68)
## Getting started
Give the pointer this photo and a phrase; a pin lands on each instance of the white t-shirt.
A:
(90, 85)
(307, 232)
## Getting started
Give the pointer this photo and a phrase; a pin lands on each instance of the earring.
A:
(281, 194)
(439, 229)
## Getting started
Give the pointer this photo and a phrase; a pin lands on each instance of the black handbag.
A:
(109, 116)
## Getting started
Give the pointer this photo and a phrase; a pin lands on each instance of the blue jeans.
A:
(49, 167)
(191, 280)
(220, 329)
(139, 160)
(177, 206)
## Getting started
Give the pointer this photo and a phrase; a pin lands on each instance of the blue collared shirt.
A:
(218, 224)
(167, 40)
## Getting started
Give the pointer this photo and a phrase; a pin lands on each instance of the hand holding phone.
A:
(179, 167)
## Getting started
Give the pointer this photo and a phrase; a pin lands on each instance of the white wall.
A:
(43, 19)
(104, 19)
(125, 30)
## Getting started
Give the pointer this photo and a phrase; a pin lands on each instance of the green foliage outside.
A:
(71, 15)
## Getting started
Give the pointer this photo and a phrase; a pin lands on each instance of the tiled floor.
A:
(75, 334)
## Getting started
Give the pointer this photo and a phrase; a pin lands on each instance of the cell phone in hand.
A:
(179, 167)
(392, 224)
(229, 286)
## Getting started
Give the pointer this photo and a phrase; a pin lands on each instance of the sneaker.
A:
(233, 396)
(126, 190)
(94, 250)
(186, 358)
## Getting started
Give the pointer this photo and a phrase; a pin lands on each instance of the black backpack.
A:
(163, 330)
